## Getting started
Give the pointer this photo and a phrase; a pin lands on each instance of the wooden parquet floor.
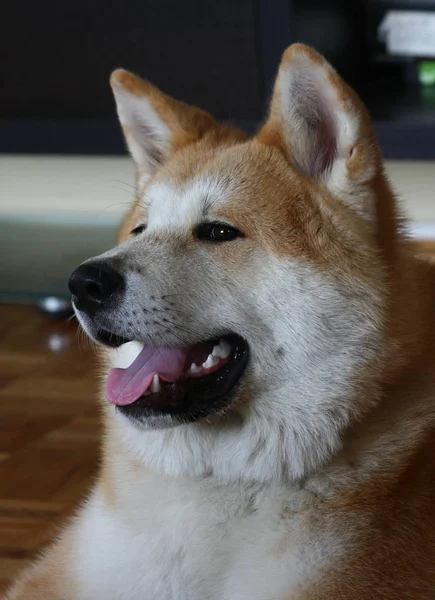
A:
(49, 431)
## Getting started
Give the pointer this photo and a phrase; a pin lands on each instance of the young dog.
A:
(270, 406)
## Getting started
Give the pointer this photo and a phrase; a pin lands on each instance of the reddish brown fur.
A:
(391, 555)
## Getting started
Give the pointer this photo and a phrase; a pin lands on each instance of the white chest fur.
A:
(169, 540)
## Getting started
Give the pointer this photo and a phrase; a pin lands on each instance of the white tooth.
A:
(217, 350)
(194, 368)
(225, 348)
(155, 386)
(222, 350)
(210, 362)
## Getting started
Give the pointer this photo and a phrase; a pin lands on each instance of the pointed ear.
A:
(154, 124)
(321, 125)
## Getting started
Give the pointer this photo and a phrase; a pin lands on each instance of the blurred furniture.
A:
(219, 55)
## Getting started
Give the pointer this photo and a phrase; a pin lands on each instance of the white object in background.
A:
(97, 188)
(408, 33)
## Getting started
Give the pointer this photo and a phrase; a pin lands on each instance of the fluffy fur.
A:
(318, 481)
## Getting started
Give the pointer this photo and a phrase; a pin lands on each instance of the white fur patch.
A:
(197, 540)
(170, 207)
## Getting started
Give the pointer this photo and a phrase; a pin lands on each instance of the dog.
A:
(268, 335)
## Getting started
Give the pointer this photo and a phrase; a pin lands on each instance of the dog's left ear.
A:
(154, 124)
(322, 126)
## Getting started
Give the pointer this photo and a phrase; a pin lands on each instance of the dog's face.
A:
(246, 300)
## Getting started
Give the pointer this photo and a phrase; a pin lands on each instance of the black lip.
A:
(107, 338)
(193, 399)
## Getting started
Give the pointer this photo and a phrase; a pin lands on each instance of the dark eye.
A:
(217, 232)
(137, 230)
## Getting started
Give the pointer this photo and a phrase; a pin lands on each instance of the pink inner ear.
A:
(316, 123)
(325, 146)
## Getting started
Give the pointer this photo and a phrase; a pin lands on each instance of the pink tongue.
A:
(125, 386)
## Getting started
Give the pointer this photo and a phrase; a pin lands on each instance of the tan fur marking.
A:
(277, 196)
(46, 579)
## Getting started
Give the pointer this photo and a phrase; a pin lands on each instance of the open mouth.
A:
(187, 384)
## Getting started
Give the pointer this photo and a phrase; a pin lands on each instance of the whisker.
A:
(129, 185)
(115, 204)
(82, 339)
(71, 318)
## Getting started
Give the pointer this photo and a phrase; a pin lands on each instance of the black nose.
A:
(93, 285)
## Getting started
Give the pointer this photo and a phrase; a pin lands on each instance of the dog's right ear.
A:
(154, 124)
(323, 128)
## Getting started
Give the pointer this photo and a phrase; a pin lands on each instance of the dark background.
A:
(56, 58)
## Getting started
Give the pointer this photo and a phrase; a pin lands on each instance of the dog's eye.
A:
(137, 230)
(217, 232)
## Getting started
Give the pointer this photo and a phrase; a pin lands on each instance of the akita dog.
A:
(270, 405)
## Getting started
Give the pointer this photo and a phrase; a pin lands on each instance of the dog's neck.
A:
(395, 432)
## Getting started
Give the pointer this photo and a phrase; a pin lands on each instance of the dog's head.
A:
(247, 299)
